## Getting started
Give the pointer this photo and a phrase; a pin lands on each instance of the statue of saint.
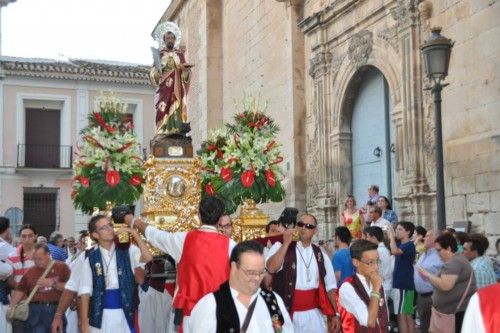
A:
(171, 75)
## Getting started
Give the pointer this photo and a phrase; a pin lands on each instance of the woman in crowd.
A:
(352, 218)
(21, 261)
(387, 212)
(455, 283)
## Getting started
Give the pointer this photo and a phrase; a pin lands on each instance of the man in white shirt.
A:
(240, 304)
(71, 290)
(377, 219)
(107, 284)
(5, 271)
(201, 256)
(303, 276)
(360, 295)
(385, 268)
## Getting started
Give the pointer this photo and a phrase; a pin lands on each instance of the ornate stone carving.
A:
(318, 63)
(405, 12)
(360, 47)
(390, 35)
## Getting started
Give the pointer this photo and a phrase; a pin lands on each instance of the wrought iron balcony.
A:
(44, 156)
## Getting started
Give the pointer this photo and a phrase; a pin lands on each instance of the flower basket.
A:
(108, 165)
(242, 160)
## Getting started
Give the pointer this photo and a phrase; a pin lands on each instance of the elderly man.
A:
(304, 278)
(43, 305)
(377, 219)
(431, 262)
(240, 304)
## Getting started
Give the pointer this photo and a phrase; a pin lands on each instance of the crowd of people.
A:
(382, 275)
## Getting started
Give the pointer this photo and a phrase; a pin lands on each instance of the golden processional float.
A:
(239, 163)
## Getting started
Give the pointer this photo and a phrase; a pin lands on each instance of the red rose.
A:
(211, 148)
(226, 174)
(209, 189)
(247, 178)
(270, 178)
(112, 178)
(135, 180)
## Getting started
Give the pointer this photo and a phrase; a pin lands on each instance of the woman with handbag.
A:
(454, 286)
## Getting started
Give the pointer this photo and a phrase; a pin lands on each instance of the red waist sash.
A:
(304, 300)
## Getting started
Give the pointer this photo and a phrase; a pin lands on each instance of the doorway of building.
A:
(373, 137)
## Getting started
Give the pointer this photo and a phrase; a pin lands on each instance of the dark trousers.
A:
(424, 308)
(40, 318)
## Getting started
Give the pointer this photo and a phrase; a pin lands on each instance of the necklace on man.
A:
(308, 265)
(106, 267)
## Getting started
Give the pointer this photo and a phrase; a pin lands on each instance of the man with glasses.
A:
(303, 276)
(225, 226)
(240, 304)
(107, 289)
(362, 294)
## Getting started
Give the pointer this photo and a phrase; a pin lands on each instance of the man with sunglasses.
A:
(240, 305)
(303, 276)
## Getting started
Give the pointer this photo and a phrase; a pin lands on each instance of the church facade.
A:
(345, 81)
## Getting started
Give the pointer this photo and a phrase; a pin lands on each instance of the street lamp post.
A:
(436, 52)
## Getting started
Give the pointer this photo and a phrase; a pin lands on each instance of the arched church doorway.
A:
(373, 137)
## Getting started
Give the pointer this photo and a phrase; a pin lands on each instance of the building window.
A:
(40, 208)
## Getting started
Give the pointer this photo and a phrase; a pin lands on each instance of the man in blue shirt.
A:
(55, 247)
(342, 262)
(403, 293)
(431, 262)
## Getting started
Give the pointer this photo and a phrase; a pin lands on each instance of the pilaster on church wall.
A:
(470, 116)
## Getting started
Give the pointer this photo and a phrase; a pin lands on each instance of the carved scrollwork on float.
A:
(360, 48)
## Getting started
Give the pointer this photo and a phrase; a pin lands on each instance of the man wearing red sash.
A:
(483, 312)
(361, 295)
(201, 256)
(303, 276)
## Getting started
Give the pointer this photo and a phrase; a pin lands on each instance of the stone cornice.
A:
(75, 69)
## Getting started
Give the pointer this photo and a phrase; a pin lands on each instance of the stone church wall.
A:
(471, 111)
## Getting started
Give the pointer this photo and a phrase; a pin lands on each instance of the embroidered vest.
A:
(126, 282)
(227, 316)
(382, 325)
(488, 302)
(284, 280)
(203, 267)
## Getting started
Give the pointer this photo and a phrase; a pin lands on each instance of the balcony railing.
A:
(44, 156)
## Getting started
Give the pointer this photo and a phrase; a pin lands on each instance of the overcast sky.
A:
(118, 30)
